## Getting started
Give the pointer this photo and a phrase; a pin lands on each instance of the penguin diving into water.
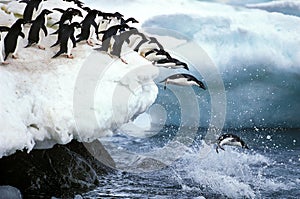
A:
(11, 39)
(230, 140)
(2, 29)
(38, 25)
(183, 80)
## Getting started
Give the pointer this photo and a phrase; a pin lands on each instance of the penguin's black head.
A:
(76, 25)
(76, 12)
(20, 22)
(201, 85)
(46, 11)
(117, 15)
(244, 144)
(133, 20)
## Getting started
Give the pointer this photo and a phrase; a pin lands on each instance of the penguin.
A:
(11, 39)
(67, 41)
(76, 2)
(155, 55)
(123, 21)
(183, 80)
(107, 35)
(37, 26)
(231, 140)
(67, 15)
(33, 7)
(148, 44)
(2, 29)
(88, 27)
(66, 18)
(119, 41)
(169, 62)
(131, 19)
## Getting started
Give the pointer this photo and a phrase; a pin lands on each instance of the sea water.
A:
(269, 169)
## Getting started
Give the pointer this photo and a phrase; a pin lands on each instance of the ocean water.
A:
(270, 169)
(256, 54)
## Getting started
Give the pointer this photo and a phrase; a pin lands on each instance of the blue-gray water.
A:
(270, 169)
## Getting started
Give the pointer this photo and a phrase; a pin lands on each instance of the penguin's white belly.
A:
(154, 57)
(181, 82)
(1, 50)
(230, 142)
(69, 47)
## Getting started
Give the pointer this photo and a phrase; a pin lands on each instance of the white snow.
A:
(46, 101)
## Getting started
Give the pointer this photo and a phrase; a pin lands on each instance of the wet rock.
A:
(62, 171)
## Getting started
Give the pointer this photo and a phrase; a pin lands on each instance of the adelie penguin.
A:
(88, 27)
(67, 41)
(11, 40)
(65, 19)
(231, 140)
(2, 29)
(33, 7)
(38, 25)
(169, 62)
(183, 80)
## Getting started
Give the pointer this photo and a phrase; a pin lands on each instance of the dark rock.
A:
(62, 171)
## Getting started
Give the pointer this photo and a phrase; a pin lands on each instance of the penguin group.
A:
(109, 31)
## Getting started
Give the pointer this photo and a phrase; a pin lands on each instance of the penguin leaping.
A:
(183, 80)
(231, 140)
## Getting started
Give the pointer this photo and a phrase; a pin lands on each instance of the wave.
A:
(290, 7)
(257, 55)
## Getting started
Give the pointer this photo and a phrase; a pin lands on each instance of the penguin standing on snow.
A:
(33, 7)
(65, 19)
(35, 32)
(183, 80)
(67, 41)
(2, 29)
(88, 27)
(11, 40)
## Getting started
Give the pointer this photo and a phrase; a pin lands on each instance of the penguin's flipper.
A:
(45, 30)
(24, 1)
(22, 35)
(59, 10)
(4, 29)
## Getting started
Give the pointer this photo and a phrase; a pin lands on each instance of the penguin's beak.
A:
(201, 85)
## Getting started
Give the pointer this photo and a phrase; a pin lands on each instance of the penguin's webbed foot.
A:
(14, 56)
(41, 47)
(70, 56)
(123, 61)
(5, 63)
(90, 43)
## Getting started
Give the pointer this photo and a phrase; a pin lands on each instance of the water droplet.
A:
(268, 137)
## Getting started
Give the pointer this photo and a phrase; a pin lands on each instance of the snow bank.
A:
(42, 99)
